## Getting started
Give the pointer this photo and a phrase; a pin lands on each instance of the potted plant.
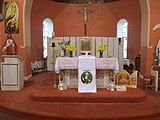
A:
(70, 48)
(100, 49)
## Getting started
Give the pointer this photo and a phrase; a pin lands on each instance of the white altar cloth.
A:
(107, 63)
(72, 63)
(86, 74)
(66, 63)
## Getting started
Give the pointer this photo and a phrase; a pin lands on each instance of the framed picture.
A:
(11, 18)
(85, 44)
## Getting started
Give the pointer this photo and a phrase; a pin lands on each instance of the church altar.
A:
(106, 69)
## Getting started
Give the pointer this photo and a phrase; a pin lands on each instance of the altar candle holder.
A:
(53, 53)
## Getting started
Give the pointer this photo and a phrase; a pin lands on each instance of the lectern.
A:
(12, 77)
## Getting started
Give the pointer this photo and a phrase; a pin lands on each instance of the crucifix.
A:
(85, 12)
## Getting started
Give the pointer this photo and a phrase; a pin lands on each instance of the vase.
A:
(70, 53)
(101, 54)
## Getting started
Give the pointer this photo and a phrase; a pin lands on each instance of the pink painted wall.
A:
(48, 10)
(149, 54)
(18, 38)
(154, 35)
(102, 22)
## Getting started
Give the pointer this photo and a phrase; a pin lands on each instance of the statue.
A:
(85, 12)
(9, 47)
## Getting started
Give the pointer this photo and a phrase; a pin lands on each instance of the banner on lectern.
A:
(86, 74)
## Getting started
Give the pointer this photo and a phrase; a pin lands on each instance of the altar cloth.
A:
(67, 67)
(86, 74)
(72, 63)
(66, 63)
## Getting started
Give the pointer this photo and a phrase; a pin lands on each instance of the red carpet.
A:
(20, 104)
(102, 96)
(45, 92)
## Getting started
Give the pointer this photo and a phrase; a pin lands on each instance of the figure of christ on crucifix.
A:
(85, 12)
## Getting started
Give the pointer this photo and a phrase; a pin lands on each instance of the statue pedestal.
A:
(12, 58)
(12, 77)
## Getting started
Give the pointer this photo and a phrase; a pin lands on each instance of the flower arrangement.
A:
(70, 47)
(101, 48)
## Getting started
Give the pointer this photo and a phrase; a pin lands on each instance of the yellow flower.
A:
(70, 47)
(101, 48)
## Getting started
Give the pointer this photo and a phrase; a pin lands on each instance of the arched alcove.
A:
(30, 5)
